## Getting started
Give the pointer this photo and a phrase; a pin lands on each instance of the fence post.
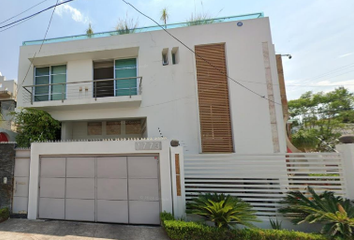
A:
(177, 175)
(347, 153)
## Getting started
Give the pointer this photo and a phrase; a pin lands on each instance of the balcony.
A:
(117, 92)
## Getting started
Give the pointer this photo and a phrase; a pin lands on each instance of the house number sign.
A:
(148, 145)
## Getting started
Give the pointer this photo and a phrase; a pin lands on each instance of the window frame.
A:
(50, 87)
(136, 71)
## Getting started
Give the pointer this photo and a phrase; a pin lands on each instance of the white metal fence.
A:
(263, 180)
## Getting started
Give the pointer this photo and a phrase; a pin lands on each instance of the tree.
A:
(89, 31)
(164, 16)
(319, 118)
(35, 125)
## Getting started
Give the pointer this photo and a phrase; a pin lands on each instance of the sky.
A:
(319, 34)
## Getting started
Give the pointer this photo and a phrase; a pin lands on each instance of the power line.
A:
(40, 48)
(197, 55)
(30, 16)
(14, 25)
(22, 12)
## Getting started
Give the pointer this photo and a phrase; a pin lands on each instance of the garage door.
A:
(102, 189)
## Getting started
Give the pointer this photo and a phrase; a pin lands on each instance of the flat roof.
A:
(146, 29)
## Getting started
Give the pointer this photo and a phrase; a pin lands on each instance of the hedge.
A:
(4, 214)
(181, 230)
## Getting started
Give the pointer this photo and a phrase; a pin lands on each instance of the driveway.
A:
(15, 229)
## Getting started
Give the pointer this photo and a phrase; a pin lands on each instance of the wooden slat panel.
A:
(213, 94)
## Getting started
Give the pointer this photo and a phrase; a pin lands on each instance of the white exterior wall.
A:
(169, 93)
(8, 85)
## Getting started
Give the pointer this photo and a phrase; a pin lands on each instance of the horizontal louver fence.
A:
(263, 180)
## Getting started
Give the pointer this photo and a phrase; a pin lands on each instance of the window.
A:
(113, 128)
(47, 76)
(174, 54)
(125, 71)
(165, 57)
(133, 127)
(94, 128)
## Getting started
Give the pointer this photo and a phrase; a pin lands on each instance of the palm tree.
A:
(89, 31)
(164, 16)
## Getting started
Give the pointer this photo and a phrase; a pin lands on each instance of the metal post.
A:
(62, 93)
(32, 96)
(95, 83)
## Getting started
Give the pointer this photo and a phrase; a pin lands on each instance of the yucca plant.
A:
(335, 213)
(224, 210)
(275, 224)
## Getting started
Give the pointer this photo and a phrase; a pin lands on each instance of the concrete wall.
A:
(7, 165)
(8, 85)
(124, 148)
(169, 93)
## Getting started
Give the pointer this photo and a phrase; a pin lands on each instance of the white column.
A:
(347, 152)
(177, 175)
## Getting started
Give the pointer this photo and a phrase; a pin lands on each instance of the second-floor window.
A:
(51, 83)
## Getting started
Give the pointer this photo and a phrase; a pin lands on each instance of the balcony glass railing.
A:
(67, 91)
(147, 29)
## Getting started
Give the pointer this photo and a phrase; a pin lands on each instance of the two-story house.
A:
(220, 94)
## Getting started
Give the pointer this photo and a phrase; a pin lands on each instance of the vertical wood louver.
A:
(213, 94)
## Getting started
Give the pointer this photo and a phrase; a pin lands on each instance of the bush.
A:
(4, 214)
(180, 230)
(335, 213)
(224, 210)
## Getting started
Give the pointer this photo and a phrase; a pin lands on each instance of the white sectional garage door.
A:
(102, 189)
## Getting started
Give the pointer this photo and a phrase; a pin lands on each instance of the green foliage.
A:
(126, 25)
(35, 125)
(319, 118)
(178, 230)
(335, 213)
(275, 224)
(4, 214)
(164, 16)
(166, 216)
(199, 19)
(224, 210)
(89, 31)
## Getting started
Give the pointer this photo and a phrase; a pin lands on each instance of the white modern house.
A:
(221, 96)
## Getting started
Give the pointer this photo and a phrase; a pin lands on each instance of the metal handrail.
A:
(63, 92)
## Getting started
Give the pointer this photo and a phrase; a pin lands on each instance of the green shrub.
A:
(180, 230)
(4, 214)
(224, 210)
(335, 213)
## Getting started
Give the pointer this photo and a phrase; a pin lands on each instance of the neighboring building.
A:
(146, 85)
(8, 94)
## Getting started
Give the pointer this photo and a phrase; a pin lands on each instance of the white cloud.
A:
(76, 15)
(346, 55)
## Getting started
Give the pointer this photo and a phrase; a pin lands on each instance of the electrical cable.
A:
(32, 15)
(197, 55)
(40, 48)
(22, 12)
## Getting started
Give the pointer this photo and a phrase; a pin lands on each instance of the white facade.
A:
(169, 98)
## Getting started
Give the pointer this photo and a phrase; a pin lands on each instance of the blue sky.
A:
(318, 33)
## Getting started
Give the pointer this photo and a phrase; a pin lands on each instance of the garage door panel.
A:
(112, 167)
(80, 188)
(81, 210)
(142, 167)
(144, 212)
(51, 208)
(143, 189)
(112, 189)
(52, 188)
(80, 167)
(53, 167)
(112, 211)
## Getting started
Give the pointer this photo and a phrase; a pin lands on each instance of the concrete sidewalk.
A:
(16, 229)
